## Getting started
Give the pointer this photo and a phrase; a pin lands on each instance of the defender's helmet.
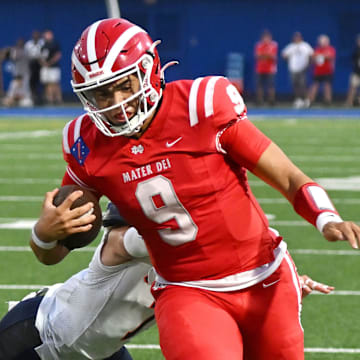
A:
(107, 51)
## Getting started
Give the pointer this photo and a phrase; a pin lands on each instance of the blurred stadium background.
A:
(201, 34)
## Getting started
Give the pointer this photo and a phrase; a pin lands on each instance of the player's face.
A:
(115, 93)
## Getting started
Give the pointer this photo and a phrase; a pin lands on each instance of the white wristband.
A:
(325, 218)
(42, 244)
(134, 243)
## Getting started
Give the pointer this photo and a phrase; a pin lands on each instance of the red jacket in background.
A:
(324, 60)
(266, 65)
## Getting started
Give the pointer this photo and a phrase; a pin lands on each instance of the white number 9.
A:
(171, 208)
(236, 98)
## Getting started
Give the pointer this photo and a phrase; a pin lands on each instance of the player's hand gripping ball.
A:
(80, 239)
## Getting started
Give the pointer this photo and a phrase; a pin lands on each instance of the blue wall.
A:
(199, 33)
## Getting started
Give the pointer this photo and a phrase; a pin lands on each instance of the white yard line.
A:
(36, 148)
(333, 350)
(28, 134)
(324, 252)
(22, 199)
(33, 156)
(21, 181)
(339, 293)
(143, 346)
(10, 220)
(18, 224)
(21, 287)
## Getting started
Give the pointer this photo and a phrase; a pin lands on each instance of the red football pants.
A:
(257, 323)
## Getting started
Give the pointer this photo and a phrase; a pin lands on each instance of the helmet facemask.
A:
(147, 98)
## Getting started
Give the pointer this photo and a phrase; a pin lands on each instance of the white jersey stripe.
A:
(91, 49)
(79, 67)
(74, 177)
(193, 102)
(233, 282)
(65, 138)
(209, 95)
(296, 283)
(78, 122)
(119, 44)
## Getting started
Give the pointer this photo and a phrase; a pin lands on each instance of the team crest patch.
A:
(80, 151)
(137, 149)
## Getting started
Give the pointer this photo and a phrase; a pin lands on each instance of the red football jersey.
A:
(266, 65)
(324, 59)
(183, 183)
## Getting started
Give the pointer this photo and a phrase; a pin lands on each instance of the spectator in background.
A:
(298, 54)
(50, 73)
(324, 68)
(18, 93)
(354, 81)
(266, 67)
(33, 51)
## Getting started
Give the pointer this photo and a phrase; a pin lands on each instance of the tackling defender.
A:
(94, 313)
(173, 159)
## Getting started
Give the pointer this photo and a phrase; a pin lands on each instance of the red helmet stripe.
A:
(119, 45)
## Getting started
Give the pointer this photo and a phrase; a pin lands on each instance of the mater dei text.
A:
(146, 170)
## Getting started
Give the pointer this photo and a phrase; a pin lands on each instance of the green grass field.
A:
(31, 164)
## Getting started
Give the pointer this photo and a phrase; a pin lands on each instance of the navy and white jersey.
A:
(95, 312)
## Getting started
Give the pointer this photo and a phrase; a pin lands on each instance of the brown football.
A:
(81, 239)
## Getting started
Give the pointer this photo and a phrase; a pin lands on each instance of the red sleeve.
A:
(244, 143)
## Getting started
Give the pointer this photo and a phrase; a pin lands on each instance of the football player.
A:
(42, 323)
(93, 313)
(173, 159)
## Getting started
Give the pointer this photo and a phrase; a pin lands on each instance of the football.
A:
(81, 239)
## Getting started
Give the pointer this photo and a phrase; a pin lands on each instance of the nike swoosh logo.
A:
(267, 285)
(170, 144)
